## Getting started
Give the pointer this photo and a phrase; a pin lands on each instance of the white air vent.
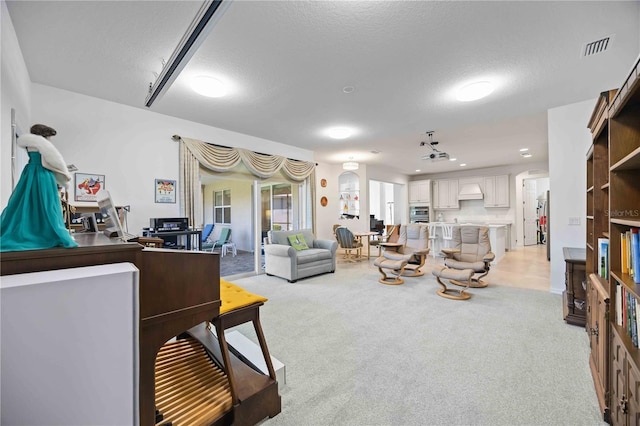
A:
(598, 46)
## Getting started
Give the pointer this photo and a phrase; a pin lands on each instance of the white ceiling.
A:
(288, 61)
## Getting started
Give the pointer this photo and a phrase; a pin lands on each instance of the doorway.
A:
(253, 207)
(383, 202)
(534, 205)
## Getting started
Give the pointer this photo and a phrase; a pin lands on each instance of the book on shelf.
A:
(603, 257)
(627, 307)
(635, 254)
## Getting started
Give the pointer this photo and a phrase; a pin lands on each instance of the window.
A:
(222, 206)
(277, 207)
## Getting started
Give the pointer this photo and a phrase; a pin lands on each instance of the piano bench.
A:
(234, 297)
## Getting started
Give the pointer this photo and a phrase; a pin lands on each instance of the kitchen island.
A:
(497, 237)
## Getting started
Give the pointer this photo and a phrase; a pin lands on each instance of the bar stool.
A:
(447, 235)
(432, 227)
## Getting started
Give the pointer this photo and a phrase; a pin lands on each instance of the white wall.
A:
(569, 141)
(15, 87)
(131, 146)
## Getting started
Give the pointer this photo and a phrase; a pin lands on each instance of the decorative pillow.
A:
(297, 242)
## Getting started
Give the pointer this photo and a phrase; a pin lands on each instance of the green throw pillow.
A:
(297, 242)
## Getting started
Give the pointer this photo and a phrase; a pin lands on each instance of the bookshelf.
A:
(613, 209)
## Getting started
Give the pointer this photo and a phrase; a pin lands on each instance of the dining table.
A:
(361, 236)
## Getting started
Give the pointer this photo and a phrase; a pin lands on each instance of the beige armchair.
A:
(390, 233)
(470, 249)
(412, 245)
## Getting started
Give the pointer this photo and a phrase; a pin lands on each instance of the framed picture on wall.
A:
(87, 185)
(165, 191)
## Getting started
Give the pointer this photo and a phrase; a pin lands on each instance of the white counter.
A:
(498, 237)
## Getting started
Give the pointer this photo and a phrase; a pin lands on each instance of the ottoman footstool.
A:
(462, 276)
(395, 266)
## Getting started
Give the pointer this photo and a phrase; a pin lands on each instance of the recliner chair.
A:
(413, 246)
(470, 249)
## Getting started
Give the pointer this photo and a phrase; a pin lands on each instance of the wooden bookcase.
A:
(613, 207)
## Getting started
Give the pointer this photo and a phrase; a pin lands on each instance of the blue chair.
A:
(206, 233)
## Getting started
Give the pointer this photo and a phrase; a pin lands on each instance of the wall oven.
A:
(419, 214)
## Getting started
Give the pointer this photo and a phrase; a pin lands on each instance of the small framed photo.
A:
(87, 185)
(165, 191)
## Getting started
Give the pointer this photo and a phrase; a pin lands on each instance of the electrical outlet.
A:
(574, 221)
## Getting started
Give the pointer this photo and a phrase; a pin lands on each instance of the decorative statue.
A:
(33, 217)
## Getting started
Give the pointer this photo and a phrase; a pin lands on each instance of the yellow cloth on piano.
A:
(233, 297)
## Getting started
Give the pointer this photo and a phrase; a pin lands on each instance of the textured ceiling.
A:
(288, 61)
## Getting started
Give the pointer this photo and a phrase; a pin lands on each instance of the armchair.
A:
(389, 232)
(284, 260)
(412, 245)
(470, 249)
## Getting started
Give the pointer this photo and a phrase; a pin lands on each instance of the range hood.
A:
(470, 191)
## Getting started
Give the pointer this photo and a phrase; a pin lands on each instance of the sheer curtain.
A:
(195, 153)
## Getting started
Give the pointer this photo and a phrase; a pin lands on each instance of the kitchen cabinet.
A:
(445, 194)
(420, 192)
(496, 191)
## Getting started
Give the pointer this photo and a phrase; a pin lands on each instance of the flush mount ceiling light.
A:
(350, 165)
(463, 164)
(452, 159)
(339, 132)
(209, 14)
(474, 91)
(524, 149)
(209, 86)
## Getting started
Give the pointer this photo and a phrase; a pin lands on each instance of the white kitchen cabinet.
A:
(420, 192)
(496, 191)
(445, 194)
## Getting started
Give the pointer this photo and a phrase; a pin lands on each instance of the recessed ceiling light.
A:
(474, 91)
(418, 170)
(524, 149)
(526, 154)
(453, 159)
(339, 132)
(209, 86)
(463, 164)
(348, 89)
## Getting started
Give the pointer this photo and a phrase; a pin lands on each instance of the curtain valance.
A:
(222, 159)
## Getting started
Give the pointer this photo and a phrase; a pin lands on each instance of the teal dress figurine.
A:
(33, 217)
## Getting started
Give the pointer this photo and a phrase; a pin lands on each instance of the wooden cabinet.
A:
(625, 384)
(613, 200)
(445, 194)
(496, 191)
(420, 192)
(574, 298)
(598, 329)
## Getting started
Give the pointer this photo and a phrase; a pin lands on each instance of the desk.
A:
(188, 234)
(370, 234)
